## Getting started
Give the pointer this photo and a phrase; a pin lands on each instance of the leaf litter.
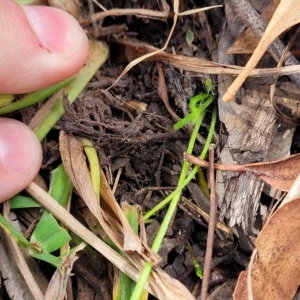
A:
(280, 174)
(110, 132)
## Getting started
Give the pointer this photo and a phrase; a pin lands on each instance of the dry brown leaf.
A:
(58, 283)
(286, 15)
(280, 174)
(275, 274)
(134, 49)
(113, 221)
(247, 41)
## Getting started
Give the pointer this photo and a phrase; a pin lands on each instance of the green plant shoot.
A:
(209, 87)
(197, 105)
(195, 261)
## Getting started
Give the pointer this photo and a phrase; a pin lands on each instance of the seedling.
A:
(197, 105)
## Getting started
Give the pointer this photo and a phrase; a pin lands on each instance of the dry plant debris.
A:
(280, 174)
(132, 130)
(274, 273)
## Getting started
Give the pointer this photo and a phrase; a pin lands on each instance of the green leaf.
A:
(60, 185)
(209, 87)
(48, 236)
(189, 37)
(32, 98)
(22, 202)
(49, 258)
(12, 231)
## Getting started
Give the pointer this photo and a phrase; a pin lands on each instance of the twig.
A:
(211, 226)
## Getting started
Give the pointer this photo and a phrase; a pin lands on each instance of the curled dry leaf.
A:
(275, 274)
(113, 221)
(286, 15)
(130, 50)
(280, 174)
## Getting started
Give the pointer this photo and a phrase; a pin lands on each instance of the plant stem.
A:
(175, 198)
(166, 221)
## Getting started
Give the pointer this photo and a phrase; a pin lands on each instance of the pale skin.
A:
(40, 46)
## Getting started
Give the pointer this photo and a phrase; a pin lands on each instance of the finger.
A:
(43, 45)
(20, 157)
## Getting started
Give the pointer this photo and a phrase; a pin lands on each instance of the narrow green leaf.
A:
(49, 258)
(22, 202)
(34, 97)
(60, 185)
(48, 236)
(12, 231)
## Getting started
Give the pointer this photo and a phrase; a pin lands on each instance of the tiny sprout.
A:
(209, 87)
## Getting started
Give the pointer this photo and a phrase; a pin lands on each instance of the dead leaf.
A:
(248, 41)
(286, 15)
(113, 221)
(129, 50)
(58, 284)
(275, 274)
(280, 174)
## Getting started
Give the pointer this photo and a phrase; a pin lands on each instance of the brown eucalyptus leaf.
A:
(286, 15)
(280, 174)
(275, 274)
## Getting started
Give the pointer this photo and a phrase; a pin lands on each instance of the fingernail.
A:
(57, 30)
(19, 147)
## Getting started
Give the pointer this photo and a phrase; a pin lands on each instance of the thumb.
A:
(43, 45)
(20, 157)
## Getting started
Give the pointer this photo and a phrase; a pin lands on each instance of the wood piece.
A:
(243, 191)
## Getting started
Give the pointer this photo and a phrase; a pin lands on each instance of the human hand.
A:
(40, 47)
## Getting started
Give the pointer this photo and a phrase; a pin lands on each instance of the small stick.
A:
(222, 167)
(211, 226)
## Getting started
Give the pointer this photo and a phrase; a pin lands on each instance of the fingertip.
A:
(20, 157)
(44, 46)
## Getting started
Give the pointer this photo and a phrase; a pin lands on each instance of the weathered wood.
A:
(251, 129)
(242, 194)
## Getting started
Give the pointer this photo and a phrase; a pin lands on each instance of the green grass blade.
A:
(60, 185)
(125, 285)
(22, 202)
(12, 231)
(34, 97)
(94, 165)
(49, 258)
(48, 236)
